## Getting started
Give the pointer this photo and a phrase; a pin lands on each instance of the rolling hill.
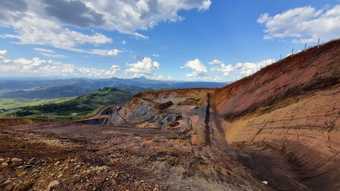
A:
(66, 107)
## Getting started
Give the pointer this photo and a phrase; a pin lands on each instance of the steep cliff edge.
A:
(290, 108)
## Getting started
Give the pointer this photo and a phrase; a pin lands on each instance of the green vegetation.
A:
(73, 108)
(9, 104)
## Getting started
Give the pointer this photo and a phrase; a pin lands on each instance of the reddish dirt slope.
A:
(290, 109)
(313, 69)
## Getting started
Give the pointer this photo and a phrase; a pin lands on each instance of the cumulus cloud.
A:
(248, 68)
(241, 69)
(198, 69)
(33, 29)
(32, 25)
(303, 24)
(144, 67)
(131, 16)
(221, 67)
(42, 67)
(47, 21)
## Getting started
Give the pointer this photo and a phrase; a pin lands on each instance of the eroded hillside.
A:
(291, 108)
(287, 113)
(278, 129)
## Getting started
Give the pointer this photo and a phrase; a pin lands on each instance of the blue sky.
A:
(208, 40)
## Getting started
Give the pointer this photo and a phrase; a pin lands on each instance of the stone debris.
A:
(52, 185)
(4, 164)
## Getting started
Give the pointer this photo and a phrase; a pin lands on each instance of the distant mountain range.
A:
(56, 88)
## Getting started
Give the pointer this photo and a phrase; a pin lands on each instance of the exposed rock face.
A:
(293, 107)
(181, 110)
(288, 113)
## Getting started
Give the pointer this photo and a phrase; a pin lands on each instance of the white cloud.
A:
(162, 77)
(48, 21)
(198, 69)
(248, 68)
(97, 52)
(44, 50)
(132, 16)
(303, 24)
(60, 23)
(108, 53)
(33, 29)
(48, 53)
(216, 62)
(239, 70)
(41, 67)
(221, 67)
(3, 54)
(57, 23)
(9, 36)
(144, 67)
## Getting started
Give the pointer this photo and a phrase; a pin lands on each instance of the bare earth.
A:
(85, 157)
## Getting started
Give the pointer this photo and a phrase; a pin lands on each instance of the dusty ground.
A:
(83, 157)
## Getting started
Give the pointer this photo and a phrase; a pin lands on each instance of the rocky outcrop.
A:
(183, 110)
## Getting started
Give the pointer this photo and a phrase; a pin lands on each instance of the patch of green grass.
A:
(17, 103)
(71, 108)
